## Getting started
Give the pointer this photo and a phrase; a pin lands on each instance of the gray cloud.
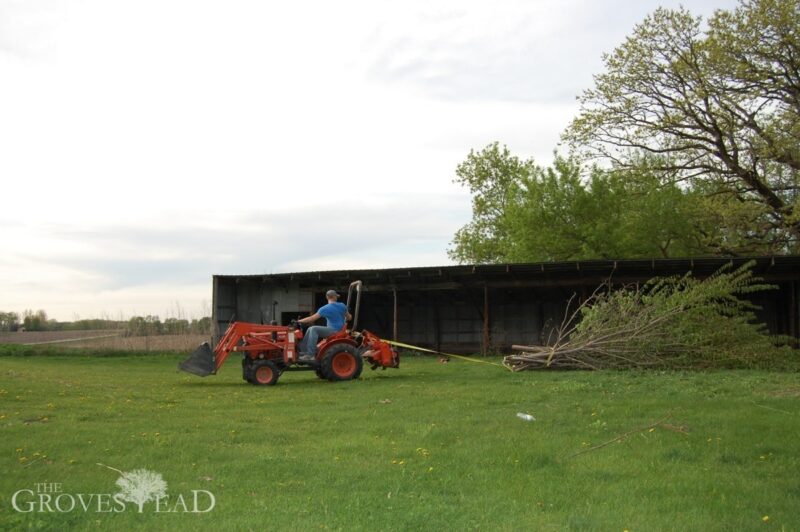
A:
(526, 62)
(263, 242)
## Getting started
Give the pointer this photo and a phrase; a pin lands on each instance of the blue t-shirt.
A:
(334, 313)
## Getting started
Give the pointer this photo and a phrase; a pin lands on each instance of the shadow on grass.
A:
(293, 383)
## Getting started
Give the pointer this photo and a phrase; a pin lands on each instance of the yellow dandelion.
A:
(765, 518)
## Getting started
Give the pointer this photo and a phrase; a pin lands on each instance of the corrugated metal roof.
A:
(765, 265)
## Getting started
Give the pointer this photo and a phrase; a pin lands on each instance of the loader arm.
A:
(249, 338)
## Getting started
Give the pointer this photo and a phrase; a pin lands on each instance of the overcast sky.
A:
(146, 145)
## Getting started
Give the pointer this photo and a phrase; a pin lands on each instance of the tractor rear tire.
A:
(264, 373)
(341, 363)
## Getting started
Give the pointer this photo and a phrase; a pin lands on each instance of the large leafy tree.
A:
(526, 212)
(494, 177)
(606, 215)
(715, 106)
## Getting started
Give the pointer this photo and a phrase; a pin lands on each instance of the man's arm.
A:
(347, 316)
(310, 319)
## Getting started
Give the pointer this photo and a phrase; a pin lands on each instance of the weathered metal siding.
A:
(252, 299)
(461, 309)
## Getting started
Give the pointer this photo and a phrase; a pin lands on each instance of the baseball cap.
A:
(332, 293)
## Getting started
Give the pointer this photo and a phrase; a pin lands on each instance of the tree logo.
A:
(140, 486)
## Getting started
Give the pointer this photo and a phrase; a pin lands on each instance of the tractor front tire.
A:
(264, 373)
(341, 363)
(247, 368)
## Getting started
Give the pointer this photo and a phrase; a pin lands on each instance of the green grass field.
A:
(428, 446)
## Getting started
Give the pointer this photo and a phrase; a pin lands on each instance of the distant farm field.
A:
(112, 340)
(68, 337)
(428, 446)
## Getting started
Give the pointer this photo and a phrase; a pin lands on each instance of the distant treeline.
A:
(152, 325)
(135, 326)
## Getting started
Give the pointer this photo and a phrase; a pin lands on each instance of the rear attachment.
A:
(200, 362)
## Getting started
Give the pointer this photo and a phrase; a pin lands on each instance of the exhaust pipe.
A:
(200, 362)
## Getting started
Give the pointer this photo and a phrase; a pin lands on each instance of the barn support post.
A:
(485, 342)
(794, 322)
(394, 314)
(437, 326)
(215, 334)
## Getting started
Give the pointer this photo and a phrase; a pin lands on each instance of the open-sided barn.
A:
(480, 308)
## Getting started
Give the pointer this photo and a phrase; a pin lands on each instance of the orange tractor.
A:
(269, 350)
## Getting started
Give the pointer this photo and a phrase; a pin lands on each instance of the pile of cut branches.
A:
(668, 322)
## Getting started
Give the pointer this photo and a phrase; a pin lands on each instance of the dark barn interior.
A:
(482, 308)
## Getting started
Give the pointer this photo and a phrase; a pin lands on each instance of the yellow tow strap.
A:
(424, 350)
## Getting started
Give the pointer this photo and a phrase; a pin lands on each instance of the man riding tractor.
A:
(335, 314)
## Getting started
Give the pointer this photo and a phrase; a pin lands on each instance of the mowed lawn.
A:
(428, 446)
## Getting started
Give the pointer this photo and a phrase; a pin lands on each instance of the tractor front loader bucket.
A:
(200, 362)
